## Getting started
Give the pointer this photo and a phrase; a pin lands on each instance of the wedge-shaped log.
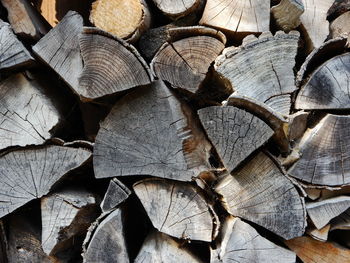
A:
(313, 251)
(242, 243)
(340, 26)
(237, 16)
(342, 221)
(151, 132)
(27, 115)
(287, 14)
(260, 193)
(176, 208)
(159, 248)
(262, 68)
(325, 150)
(64, 215)
(110, 65)
(185, 63)
(328, 87)
(27, 174)
(177, 8)
(231, 129)
(319, 234)
(116, 193)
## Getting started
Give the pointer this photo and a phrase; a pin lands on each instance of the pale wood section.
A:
(177, 8)
(319, 234)
(176, 208)
(260, 193)
(237, 16)
(151, 132)
(287, 14)
(116, 194)
(29, 174)
(341, 25)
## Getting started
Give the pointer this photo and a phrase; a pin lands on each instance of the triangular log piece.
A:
(237, 16)
(12, 52)
(110, 65)
(159, 248)
(297, 125)
(314, 251)
(116, 193)
(340, 26)
(319, 234)
(325, 153)
(27, 115)
(59, 48)
(260, 193)
(151, 132)
(322, 212)
(108, 243)
(313, 193)
(328, 87)
(262, 68)
(27, 174)
(338, 8)
(185, 63)
(231, 129)
(177, 8)
(65, 215)
(176, 208)
(342, 221)
(242, 243)
(124, 19)
(287, 14)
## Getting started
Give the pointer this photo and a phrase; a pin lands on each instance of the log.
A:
(325, 152)
(338, 8)
(116, 194)
(158, 248)
(231, 129)
(167, 143)
(340, 26)
(270, 79)
(28, 174)
(260, 193)
(178, 8)
(242, 243)
(124, 19)
(175, 208)
(287, 14)
(319, 234)
(341, 222)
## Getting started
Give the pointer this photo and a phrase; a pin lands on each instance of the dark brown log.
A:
(338, 8)
(319, 234)
(340, 26)
(287, 14)
(116, 193)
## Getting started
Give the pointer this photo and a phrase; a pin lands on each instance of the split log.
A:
(340, 26)
(242, 243)
(325, 152)
(116, 193)
(260, 193)
(230, 130)
(319, 234)
(124, 19)
(328, 87)
(262, 68)
(287, 14)
(28, 174)
(297, 125)
(177, 8)
(313, 251)
(151, 132)
(237, 17)
(159, 248)
(13, 54)
(64, 215)
(341, 222)
(313, 193)
(176, 208)
(338, 8)
(27, 115)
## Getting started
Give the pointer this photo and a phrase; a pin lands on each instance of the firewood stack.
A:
(174, 131)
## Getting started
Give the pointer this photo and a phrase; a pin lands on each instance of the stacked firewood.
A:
(174, 131)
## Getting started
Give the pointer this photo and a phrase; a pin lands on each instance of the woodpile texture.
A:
(159, 131)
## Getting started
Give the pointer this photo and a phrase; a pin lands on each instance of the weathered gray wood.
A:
(260, 193)
(27, 174)
(287, 14)
(64, 215)
(116, 193)
(27, 115)
(12, 52)
(340, 26)
(59, 48)
(242, 243)
(177, 8)
(110, 65)
(262, 68)
(159, 248)
(297, 125)
(319, 234)
(151, 132)
(108, 243)
(328, 87)
(325, 153)
(231, 129)
(342, 221)
(176, 208)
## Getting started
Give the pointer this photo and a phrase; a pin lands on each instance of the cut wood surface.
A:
(116, 193)
(231, 129)
(319, 234)
(325, 153)
(177, 8)
(176, 208)
(340, 26)
(262, 68)
(151, 132)
(260, 193)
(29, 174)
(287, 14)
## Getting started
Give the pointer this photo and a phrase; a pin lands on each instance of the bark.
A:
(287, 14)
(338, 8)
(116, 194)
(340, 26)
